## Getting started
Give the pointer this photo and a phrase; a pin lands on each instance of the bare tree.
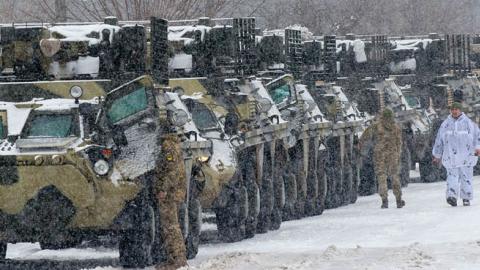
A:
(96, 10)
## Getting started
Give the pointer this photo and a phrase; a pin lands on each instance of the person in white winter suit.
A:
(457, 147)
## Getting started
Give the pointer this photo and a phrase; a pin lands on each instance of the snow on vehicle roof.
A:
(177, 33)
(358, 46)
(306, 34)
(181, 61)
(410, 44)
(81, 32)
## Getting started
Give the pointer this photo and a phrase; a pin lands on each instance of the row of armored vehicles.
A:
(86, 105)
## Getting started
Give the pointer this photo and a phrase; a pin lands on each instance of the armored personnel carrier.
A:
(336, 161)
(128, 118)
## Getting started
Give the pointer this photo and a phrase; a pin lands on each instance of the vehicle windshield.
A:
(412, 101)
(202, 116)
(50, 126)
(127, 105)
(280, 93)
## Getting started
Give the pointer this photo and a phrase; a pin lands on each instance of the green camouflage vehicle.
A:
(87, 61)
(243, 127)
(305, 183)
(288, 51)
(72, 170)
(244, 123)
(342, 164)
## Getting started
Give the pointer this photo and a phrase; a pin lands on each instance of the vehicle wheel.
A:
(355, 162)
(290, 187)
(197, 184)
(301, 181)
(334, 174)
(3, 250)
(248, 167)
(266, 195)
(195, 222)
(368, 180)
(278, 188)
(348, 174)
(312, 181)
(405, 167)
(136, 244)
(322, 182)
(231, 219)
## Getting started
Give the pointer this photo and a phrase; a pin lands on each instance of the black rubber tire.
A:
(301, 178)
(347, 173)
(278, 188)
(136, 244)
(312, 181)
(322, 182)
(194, 223)
(355, 170)
(232, 218)
(355, 163)
(368, 180)
(266, 195)
(334, 173)
(3, 250)
(405, 163)
(290, 187)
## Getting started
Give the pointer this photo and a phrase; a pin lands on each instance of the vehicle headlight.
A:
(76, 91)
(101, 167)
(264, 105)
(179, 118)
(237, 141)
(203, 159)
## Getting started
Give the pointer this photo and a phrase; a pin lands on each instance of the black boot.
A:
(466, 202)
(400, 203)
(384, 203)
(452, 201)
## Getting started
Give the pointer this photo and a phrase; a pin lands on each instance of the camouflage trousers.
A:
(385, 168)
(171, 233)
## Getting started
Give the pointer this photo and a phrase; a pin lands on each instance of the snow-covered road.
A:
(426, 234)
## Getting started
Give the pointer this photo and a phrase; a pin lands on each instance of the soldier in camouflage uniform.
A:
(387, 137)
(171, 190)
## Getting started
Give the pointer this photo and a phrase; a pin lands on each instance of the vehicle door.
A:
(131, 116)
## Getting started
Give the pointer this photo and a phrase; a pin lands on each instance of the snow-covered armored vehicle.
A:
(244, 116)
(290, 50)
(108, 56)
(305, 181)
(348, 124)
(73, 169)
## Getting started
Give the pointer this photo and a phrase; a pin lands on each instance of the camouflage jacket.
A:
(386, 137)
(170, 171)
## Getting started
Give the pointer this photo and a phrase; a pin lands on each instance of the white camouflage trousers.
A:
(459, 182)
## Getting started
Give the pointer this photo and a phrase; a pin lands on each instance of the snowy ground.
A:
(426, 234)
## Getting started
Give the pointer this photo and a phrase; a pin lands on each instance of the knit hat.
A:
(456, 105)
(387, 114)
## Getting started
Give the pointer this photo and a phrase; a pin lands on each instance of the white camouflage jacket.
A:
(456, 142)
